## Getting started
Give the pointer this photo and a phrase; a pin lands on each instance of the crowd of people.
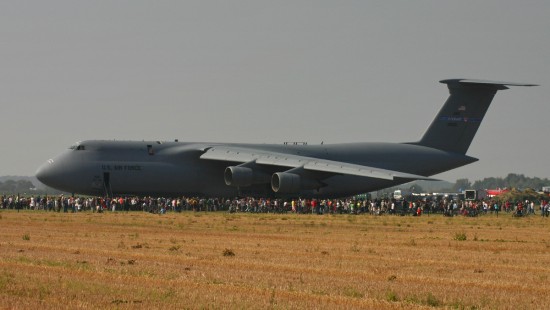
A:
(160, 205)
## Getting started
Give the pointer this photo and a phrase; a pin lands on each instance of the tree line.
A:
(512, 180)
(19, 186)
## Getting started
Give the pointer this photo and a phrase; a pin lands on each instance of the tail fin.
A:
(456, 124)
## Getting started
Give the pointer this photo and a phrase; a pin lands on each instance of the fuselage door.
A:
(107, 184)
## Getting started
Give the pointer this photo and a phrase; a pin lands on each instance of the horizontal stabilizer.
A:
(496, 84)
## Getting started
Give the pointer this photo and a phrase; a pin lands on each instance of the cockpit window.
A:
(77, 147)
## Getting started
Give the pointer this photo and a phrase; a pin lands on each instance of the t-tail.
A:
(456, 124)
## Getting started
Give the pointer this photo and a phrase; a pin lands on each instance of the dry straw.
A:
(218, 260)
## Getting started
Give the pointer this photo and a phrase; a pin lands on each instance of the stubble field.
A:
(278, 261)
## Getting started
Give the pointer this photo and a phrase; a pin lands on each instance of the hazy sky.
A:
(268, 72)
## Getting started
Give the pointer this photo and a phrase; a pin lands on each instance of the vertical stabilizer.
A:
(456, 124)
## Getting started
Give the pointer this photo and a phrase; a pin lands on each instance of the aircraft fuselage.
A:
(175, 168)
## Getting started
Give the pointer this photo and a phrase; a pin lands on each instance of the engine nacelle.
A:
(238, 176)
(244, 176)
(283, 182)
(290, 182)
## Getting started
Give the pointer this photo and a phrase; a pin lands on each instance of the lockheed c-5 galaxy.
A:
(267, 170)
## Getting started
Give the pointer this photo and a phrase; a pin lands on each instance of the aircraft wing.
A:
(260, 157)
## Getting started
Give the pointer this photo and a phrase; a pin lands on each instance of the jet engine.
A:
(244, 176)
(283, 182)
(288, 182)
(238, 176)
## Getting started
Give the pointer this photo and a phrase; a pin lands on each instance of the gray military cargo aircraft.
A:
(269, 170)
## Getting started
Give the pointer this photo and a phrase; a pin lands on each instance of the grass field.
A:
(279, 261)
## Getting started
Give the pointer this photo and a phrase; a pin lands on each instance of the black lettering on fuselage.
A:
(133, 168)
(114, 167)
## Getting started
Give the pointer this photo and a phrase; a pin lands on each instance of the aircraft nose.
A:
(65, 172)
(46, 173)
